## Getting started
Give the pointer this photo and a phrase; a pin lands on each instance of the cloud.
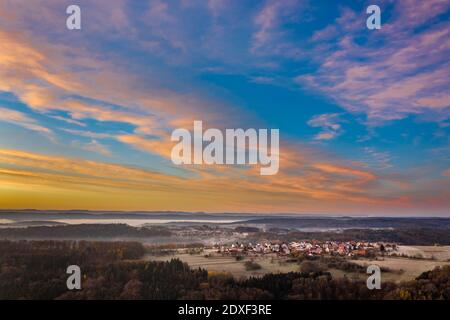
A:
(329, 123)
(325, 136)
(68, 120)
(346, 171)
(160, 146)
(387, 74)
(23, 120)
(262, 80)
(271, 36)
(47, 78)
(211, 188)
(95, 146)
(88, 134)
(76, 167)
(216, 6)
(377, 159)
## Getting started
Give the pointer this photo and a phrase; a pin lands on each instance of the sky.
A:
(86, 115)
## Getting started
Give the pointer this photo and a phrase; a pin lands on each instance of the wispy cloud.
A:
(377, 159)
(394, 72)
(23, 120)
(271, 36)
(28, 71)
(69, 120)
(88, 134)
(330, 123)
(95, 146)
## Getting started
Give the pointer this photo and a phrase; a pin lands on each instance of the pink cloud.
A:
(21, 119)
(329, 123)
(270, 38)
(401, 69)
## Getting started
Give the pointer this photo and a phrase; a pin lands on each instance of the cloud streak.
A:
(23, 120)
(329, 123)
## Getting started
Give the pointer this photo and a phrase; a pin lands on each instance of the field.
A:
(216, 263)
(213, 262)
(441, 253)
(399, 268)
(404, 268)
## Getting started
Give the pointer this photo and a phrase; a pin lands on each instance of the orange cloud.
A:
(333, 169)
(27, 176)
(23, 120)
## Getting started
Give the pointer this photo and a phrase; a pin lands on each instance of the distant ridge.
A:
(269, 220)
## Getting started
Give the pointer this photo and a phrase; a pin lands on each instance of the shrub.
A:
(252, 265)
(311, 267)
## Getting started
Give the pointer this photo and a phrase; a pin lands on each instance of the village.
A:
(310, 248)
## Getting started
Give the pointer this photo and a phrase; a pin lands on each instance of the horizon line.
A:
(279, 214)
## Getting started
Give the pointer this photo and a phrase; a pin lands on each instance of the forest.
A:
(84, 231)
(115, 270)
